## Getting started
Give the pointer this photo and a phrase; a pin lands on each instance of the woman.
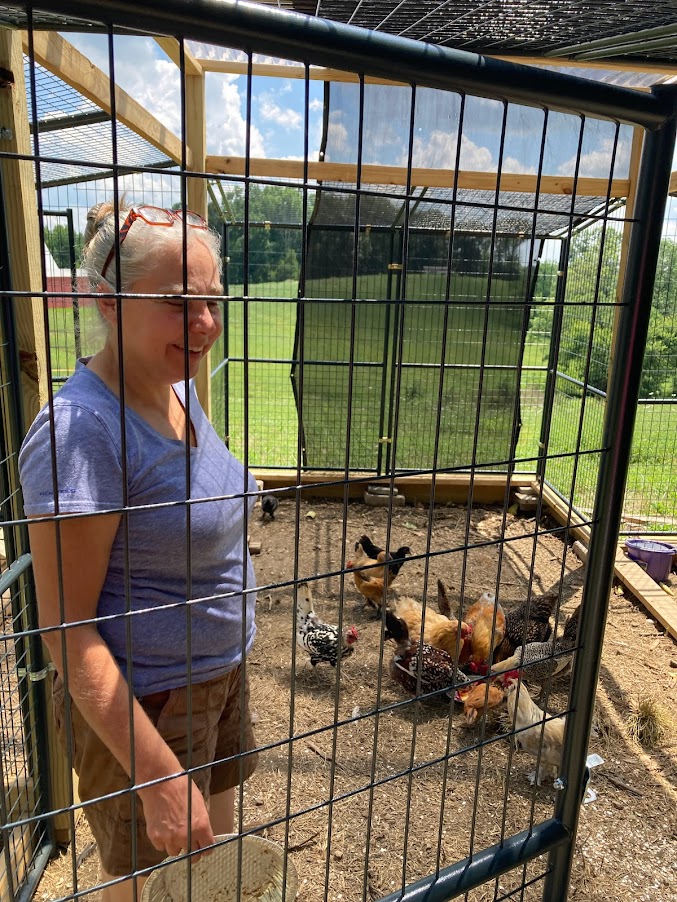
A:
(123, 570)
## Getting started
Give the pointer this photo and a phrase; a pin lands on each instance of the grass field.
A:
(261, 329)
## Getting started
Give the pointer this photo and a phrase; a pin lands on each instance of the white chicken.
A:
(532, 734)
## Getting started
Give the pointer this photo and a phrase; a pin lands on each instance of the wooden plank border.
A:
(658, 603)
(453, 487)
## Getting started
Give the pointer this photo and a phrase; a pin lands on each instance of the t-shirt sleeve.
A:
(88, 464)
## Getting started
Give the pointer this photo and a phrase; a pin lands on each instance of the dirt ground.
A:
(410, 786)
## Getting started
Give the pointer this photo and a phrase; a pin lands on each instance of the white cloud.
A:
(226, 126)
(316, 105)
(597, 163)
(286, 118)
(512, 165)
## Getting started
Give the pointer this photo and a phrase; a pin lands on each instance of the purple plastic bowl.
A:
(656, 555)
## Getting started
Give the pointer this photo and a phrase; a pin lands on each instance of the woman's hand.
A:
(168, 824)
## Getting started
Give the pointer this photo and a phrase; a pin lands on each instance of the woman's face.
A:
(153, 329)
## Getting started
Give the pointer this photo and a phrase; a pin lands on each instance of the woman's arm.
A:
(95, 682)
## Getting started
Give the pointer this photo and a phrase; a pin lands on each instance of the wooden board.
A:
(657, 602)
(455, 487)
(431, 178)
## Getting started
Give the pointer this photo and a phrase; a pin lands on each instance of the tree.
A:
(56, 240)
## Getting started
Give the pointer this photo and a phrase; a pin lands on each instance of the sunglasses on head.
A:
(154, 216)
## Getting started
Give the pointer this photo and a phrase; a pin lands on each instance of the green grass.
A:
(265, 329)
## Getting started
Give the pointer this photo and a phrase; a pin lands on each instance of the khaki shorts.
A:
(215, 730)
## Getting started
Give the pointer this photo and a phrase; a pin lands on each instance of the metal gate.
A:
(257, 30)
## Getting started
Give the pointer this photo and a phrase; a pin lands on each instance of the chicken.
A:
(477, 697)
(269, 504)
(373, 589)
(441, 632)
(321, 640)
(543, 660)
(370, 567)
(537, 616)
(487, 619)
(531, 734)
(442, 599)
(438, 672)
(395, 559)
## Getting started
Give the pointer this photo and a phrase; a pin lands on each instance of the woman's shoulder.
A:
(83, 410)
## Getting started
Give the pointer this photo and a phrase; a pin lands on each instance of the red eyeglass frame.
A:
(137, 213)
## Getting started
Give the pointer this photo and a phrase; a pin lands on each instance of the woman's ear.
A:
(108, 309)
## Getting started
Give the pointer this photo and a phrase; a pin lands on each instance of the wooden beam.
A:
(63, 60)
(23, 233)
(278, 70)
(659, 604)
(397, 175)
(672, 190)
(633, 174)
(319, 73)
(196, 197)
(172, 48)
(646, 68)
(487, 488)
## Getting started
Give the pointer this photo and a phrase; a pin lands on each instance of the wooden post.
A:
(23, 234)
(196, 196)
(633, 170)
(23, 237)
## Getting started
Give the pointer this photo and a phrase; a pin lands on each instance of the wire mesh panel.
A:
(346, 656)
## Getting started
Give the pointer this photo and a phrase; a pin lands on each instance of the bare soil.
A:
(412, 786)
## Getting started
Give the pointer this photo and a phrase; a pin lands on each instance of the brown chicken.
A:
(538, 627)
(478, 697)
(373, 590)
(480, 616)
(439, 631)
(371, 567)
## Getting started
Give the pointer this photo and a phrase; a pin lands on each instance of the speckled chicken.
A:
(539, 656)
(538, 628)
(438, 672)
(321, 640)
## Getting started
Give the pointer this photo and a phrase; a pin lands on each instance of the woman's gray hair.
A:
(140, 247)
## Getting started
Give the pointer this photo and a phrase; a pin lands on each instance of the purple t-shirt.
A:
(90, 478)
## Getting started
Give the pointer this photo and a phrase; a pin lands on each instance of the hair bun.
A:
(97, 215)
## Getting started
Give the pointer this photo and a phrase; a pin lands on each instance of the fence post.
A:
(633, 325)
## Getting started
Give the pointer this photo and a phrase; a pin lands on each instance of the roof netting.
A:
(630, 30)
(449, 132)
(85, 149)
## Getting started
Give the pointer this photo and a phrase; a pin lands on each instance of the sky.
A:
(278, 117)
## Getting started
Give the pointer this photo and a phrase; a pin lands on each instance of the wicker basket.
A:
(214, 877)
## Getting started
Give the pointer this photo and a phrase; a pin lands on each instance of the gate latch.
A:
(35, 675)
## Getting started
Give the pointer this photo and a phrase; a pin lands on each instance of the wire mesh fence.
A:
(410, 350)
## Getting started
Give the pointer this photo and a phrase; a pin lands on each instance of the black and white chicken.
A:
(321, 640)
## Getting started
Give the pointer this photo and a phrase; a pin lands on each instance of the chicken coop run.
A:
(449, 325)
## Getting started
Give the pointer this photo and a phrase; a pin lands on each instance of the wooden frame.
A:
(316, 73)
(397, 175)
(487, 488)
(62, 59)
